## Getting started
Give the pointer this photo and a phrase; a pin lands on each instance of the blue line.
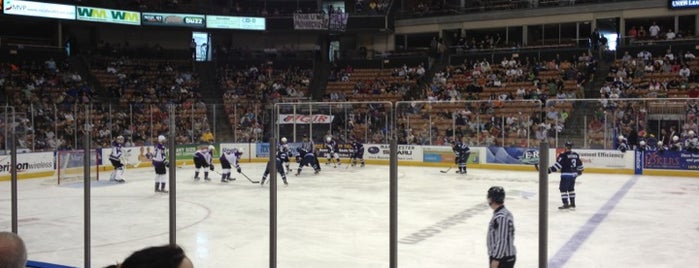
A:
(566, 252)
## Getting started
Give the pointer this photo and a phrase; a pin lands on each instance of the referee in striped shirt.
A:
(501, 231)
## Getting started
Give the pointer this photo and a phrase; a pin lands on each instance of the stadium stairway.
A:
(212, 94)
(575, 127)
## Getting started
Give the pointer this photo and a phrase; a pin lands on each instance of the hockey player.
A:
(676, 144)
(661, 147)
(357, 153)
(203, 159)
(571, 166)
(118, 160)
(285, 148)
(280, 169)
(623, 144)
(461, 154)
(307, 159)
(331, 146)
(642, 146)
(308, 144)
(230, 158)
(159, 161)
(691, 142)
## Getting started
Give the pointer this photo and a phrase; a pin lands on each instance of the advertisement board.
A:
(444, 154)
(682, 160)
(173, 19)
(38, 9)
(511, 155)
(382, 152)
(602, 158)
(305, 119)
(236, 23)
(28, 163)
(96, 14)
(678, 4)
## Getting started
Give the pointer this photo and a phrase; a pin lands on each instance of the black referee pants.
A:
(507, 262)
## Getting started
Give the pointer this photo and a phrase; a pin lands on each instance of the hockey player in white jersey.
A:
(691, 142)
(331, 146)
(159, 161)
(203, 158)
(118, 160)
(623, 144)
(230, 158)
(285, 148)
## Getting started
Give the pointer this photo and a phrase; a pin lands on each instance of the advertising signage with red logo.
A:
(305, 119)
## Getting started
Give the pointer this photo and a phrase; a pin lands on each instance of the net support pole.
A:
(13, 168)
(272, 166)
(172, 159)
(393, 203)
(543, 203)
(86, 188)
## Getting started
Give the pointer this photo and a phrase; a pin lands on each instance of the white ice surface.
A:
(340, 219)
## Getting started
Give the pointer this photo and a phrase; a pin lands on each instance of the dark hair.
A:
(168, 256)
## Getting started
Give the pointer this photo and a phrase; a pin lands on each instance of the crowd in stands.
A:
(248, 89)
(46, 96)
(644, 75)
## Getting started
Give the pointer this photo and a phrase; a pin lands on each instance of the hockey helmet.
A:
(621, 137)
(642, 143)
(660, 143)
(120, 139)
(241, 151)
(283, 139)
(569, 144)
(497, 194)
(328, 139)
(161, 138)
(675, 138)
(212, 148)
(691, 133)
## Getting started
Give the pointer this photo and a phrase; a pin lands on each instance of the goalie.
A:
(118, 160)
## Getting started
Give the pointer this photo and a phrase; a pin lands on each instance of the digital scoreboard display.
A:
(678, 4)
(173, 19)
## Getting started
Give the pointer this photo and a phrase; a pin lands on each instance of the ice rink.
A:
(340, 219)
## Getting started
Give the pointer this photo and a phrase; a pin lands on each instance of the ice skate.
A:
(285, 183)
(564, 206)
(196, 178)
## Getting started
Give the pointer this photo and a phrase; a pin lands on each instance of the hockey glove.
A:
(166, 163)
(211, 167)
(238, 169)
(549, 171)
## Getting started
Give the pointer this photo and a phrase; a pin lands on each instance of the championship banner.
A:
(311, 21)
(305, 119)
(671, 160)
(444, 154)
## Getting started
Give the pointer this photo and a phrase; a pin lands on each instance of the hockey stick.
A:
(536, 166)
(446, 171)
(246, 176)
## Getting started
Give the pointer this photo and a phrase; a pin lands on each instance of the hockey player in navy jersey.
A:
(461, 154)
(279, 159)
(331, 146)
(118, 160)
(307, 159)
(357, 152)
(230, 158)
(285, 148)
(623, 144)
(571, 166)
(203, 158)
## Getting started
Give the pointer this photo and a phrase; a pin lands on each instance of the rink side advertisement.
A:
(671, 160)
(445, 154)
(383, 152)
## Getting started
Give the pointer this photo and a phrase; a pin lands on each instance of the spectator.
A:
(168, 256)
(13, 253)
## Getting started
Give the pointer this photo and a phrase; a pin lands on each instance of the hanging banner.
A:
(305, 119)
(311, 21)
